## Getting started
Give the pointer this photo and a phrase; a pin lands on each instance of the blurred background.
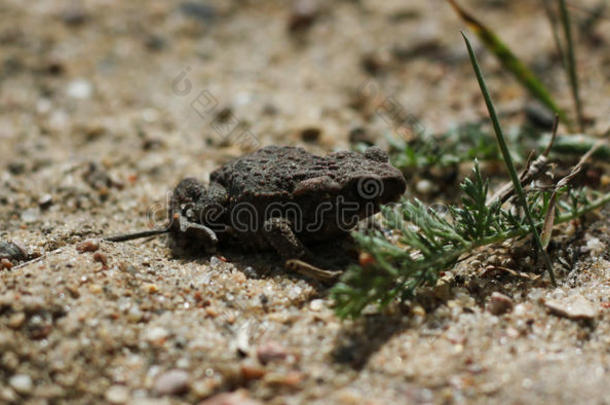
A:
(102, 96)
(98, 97)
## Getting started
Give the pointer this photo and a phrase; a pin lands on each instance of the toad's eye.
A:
(187, 210)
(369, 188)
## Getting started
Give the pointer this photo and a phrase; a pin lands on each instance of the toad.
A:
(280, 198)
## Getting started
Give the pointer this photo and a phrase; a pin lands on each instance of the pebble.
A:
(5, 264)
(304, 14)
(375, 63)
(206, 387)
(311, 134)
(595, 246)
(22, 383)
(349, 396)
(134, 315)
(30, 215)
(425, 43)
(16, 320)
(425, 187)
(196, 10)
(242, 340)
(74, 16)
(100, 258)
(89, 245)
(156, 334)
(239, 397)
(8, 395)
(316, 305)
(574, 307)
(539, 115)
(117, 394)
(271, 351)
(151, 288)
(79, 89)
(360, 135)
(10, 361)
(289, 379)
(252, 371)
(172, 382)
(97, 177)
(45, 201)
(11, 251)
(250, 272)
(500, 304)
(95, 288)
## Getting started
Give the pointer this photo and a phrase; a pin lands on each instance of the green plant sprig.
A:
(418, 242)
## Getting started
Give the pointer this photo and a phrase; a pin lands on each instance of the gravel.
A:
(88, 115)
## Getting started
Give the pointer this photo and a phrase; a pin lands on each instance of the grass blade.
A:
(554, 28)
(507, 158)
(570, 60)
(510, 62)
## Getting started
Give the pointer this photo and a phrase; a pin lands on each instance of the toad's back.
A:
(272, 171)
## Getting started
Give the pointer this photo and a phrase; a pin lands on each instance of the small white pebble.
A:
(117, 394)
(80, 89)
(183, 362)
(595, 246)
(294, 292)
(520, 310)
(316, 305)
(243, 98)
(134, 314)
(22, 383)
(425, 187)
(30, 215)
(156, 333)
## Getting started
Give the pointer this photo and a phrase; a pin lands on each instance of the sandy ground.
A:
(105, 106)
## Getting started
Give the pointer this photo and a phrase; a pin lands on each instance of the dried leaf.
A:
(549, 222)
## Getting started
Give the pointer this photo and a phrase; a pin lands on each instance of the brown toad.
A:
(281, 198)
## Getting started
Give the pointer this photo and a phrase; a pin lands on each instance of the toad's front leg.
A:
(193, 234)
(279, 234)
(190, 205)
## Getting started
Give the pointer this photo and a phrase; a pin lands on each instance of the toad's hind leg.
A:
(278, 233)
